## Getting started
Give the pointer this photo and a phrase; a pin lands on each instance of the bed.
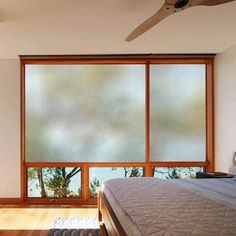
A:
(151, 206)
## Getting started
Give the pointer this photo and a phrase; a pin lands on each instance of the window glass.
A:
(99, 174)
(54, 182)
(85, 113)
(176, 172)
(178, 113)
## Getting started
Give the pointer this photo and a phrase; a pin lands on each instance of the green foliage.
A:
(173, 174)
(134, 172)
(59, 183)
(176, 172)
(32, 173)
(54, 182)
(94, 185)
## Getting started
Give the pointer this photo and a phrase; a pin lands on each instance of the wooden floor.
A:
(36, 221)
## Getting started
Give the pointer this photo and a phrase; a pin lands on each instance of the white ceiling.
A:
(35, 27)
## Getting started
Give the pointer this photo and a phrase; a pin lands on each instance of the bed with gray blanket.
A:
(151, 206)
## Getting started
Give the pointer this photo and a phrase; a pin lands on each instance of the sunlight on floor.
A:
(38, 218)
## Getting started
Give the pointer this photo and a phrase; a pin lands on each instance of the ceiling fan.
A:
(168, 8)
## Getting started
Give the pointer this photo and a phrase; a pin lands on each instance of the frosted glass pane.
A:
(85, 113)
(54, 182)
(99, 174)
(176, 172)
(178, 113)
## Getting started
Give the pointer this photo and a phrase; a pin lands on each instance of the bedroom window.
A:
(178, 112)
(84, 113)
(54, 182)
(87, 120)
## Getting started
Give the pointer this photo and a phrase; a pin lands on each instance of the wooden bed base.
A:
(109, 223)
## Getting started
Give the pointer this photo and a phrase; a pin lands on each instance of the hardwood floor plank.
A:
(25, 221)
(23, 232)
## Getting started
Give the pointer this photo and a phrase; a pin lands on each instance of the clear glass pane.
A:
(176, 172)
(85, 113)
(99, 174)
(178, 129)
(54, 182)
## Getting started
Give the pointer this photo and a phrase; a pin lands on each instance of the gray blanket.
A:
(222, 190)
(150, 206)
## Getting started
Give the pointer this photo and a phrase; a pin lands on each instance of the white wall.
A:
(225, 108)
(9, 128)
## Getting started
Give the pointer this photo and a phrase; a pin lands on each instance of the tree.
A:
(94, 185)
(41, 182)
(132, 172)
(168, 172)
(176, 172)
(60, 180)
(54, 180)
(35, 173)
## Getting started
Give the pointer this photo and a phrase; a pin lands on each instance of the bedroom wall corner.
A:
(225, 109)
(10, 128)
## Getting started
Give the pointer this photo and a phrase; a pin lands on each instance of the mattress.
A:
(151, 206)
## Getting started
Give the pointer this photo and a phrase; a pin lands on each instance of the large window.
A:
(178, 111)
(85, 113)
(86, 121)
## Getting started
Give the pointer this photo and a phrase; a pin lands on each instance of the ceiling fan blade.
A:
(213, 2)
(160, 15)
(170, 7)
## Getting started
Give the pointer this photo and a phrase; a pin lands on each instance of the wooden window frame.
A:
(147, 164)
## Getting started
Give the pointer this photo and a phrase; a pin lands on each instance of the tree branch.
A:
(73, 172)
